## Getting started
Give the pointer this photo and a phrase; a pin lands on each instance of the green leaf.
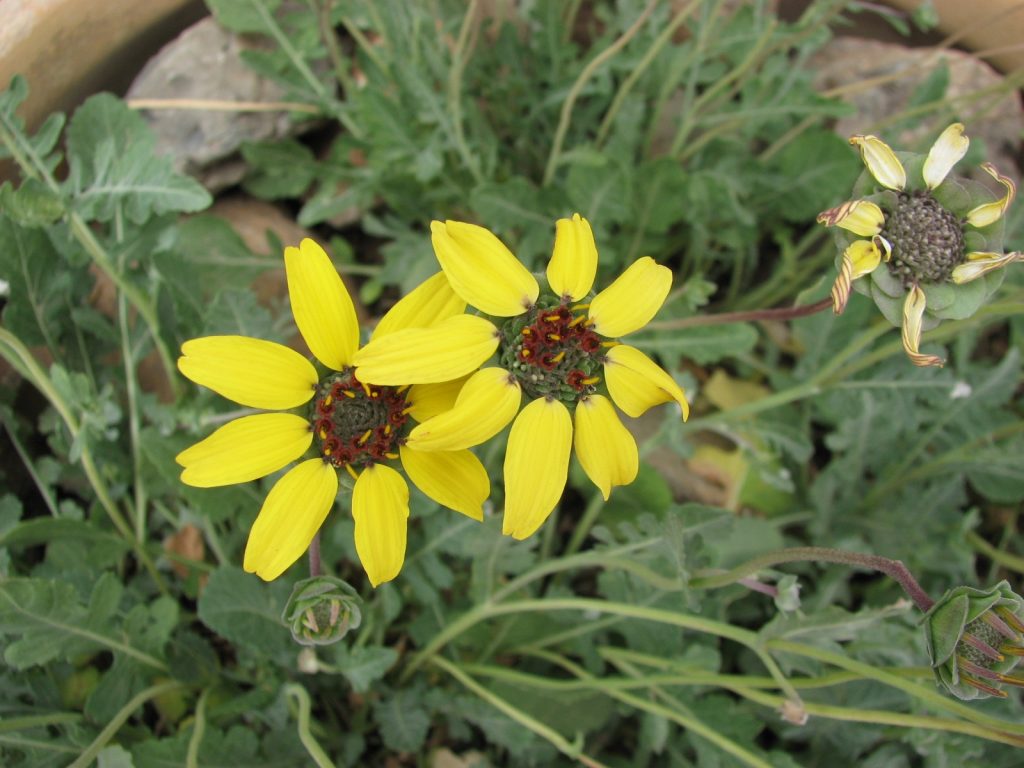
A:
(37, 150)
(113, 167)
(702, 344)
(243, 15)
(241, 608)
(114, 756)
(807, 174)
(278, 169)
(362, 666)
(403, 721)
(33, 204)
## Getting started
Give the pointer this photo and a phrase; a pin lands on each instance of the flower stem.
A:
(894, 569)
(780, 313)
(315, 567)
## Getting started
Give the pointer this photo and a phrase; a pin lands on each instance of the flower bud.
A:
(321, 610)
(975, 638)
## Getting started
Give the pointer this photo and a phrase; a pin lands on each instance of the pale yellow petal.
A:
(630, 302)
(454, 479)
(536, 466)
(323, 310)
(947, 151)
(990, 213)
(245, 449)
(427, 304)
(482, 270)
(860, 258)
(862, 217)
(448, 350)
(253, 372)
(428, 400)
(486, 404)
(881, 161)
(380, 506)
(293, 512)
(637, 383)
(980, 263)
(605, 448)
(913, 315)
(573, 262)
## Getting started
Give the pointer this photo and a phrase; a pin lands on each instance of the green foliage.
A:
(621, 634)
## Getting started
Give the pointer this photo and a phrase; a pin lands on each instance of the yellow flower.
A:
(554, 347)
(353, 425)
(920, 234)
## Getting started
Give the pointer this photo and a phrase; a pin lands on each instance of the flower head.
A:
(936, 234)
(556, 347)
(974, 640)
(349, 424)
(321, 610)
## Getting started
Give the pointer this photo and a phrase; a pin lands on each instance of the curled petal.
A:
(321, 305)
(860, 258)
(989, 213)
(979, 263)
(630, 302)
(428, 400)
(486, 404)
(606, 450)
(881, 161)
(862, 217)
(429, 303)
(445, 351)
(293, 512)
(946, 152)
(245, 449)
(454, 479)
(913, 314)
(482, 270)
(380, 506)
(637, 383)
(574, 260)
(253, 372)
(536, 465)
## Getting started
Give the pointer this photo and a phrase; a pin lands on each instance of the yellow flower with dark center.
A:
(556, 348)
(932, 239)
(352, 425)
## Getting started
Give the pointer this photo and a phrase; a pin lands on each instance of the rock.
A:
(846, 61)
(205, 63)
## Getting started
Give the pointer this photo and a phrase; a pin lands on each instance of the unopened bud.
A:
(321, 610)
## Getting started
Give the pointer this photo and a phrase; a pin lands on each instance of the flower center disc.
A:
(355, 423)
(927, 240)
(552, 352)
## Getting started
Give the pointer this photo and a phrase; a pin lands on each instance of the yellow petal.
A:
(881, 161)
(293, 512)
(862, 217)
(454, 479)
(448, 350)
(253, 372)
(429, 303)
(860, 258)
(913, 314)
(632, 300)
(428, 400)
(989, 213)
(979, 263)
(487, 403)
(605, 448)
(574, 260)
(380, 506)
(321, 305)
(482, 270)
(245, 449)
(637, 383)
(946, 152)
(536, 465)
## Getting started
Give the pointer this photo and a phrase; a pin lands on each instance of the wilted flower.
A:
(940, 237)
(557, 347)
(974, 639)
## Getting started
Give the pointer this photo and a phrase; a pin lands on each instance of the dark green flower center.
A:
(355, 423)
(927, 240)
(552, 351)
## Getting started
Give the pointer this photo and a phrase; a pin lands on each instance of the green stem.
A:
(1005, 559)
(455, 90)
(584, 76)
(586, 522)
(85, 759)
(894, 569)
(316, 752)
(13, 724)
(572, 750)
(51, 503)
(135, 443)
(198, 730)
